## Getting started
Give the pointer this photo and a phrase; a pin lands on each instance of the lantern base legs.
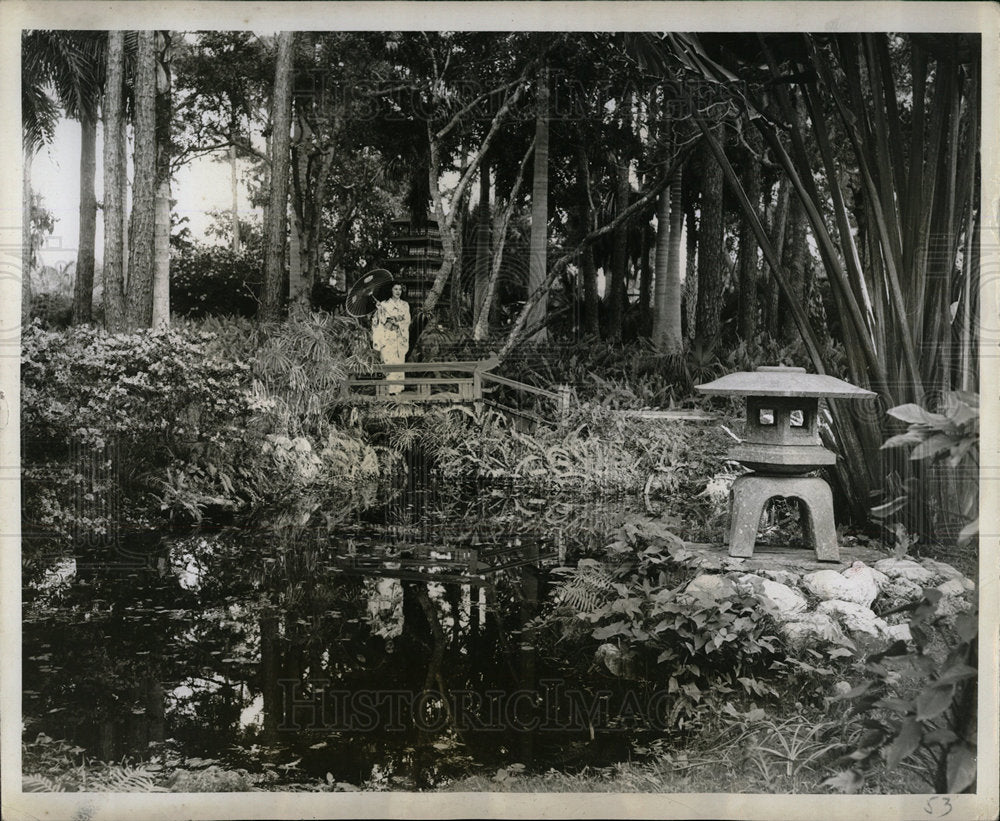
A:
(752, 492)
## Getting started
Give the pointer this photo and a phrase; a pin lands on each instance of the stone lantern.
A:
(781, 445)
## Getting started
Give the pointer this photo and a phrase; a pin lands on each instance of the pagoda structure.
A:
(416, 255)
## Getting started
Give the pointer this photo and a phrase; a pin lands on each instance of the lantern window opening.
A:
(797, 418)
(765, 416)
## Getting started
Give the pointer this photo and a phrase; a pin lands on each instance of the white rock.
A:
(841, 688)
(783, 576)
(905, 569)
(829, 584)
(900, 591)
(952, 587)
(868, 581)
(941, 570)
(952, 606)
(812, 628)
(899, 632)
(854, 617)
(710, 586)
(880, 578)
(785, 601)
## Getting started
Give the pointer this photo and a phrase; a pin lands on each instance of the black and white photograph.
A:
(439, 409)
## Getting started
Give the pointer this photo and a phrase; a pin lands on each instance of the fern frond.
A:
(587, 587)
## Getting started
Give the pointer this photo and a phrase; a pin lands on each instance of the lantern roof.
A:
(781, 381)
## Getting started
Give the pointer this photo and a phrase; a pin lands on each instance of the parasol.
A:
(360, 299)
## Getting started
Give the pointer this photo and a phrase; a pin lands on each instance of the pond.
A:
(389, 653)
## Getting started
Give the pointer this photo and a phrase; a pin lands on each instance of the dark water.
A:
(361, 654)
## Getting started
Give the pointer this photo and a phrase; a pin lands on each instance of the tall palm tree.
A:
(539, 211)
(69, 64)
(274, 268)
(668, 289)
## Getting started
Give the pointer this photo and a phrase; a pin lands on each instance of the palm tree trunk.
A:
(161, 221)
(114, 172)
(234, 192)
(617, 285)
(710, 251)
(161, 256)
(748, 269)
(691, 272)
(588, 270)
(83, 292)
(27, 241)
(482, 242)
(139, 293)
(274, 265)
(667, 336)
(539, 210)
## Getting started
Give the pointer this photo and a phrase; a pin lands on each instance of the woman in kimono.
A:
(391, 332)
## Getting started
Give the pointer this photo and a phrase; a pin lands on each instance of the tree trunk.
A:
(588, 270)
(772, 296)
(539, 211)
(274, 266)
(748, 269)
(501, 219)
(667, 336)
(114, 171)
(83, 291)
(139, 292)
(161, 234)
(616, 288)
(161, 255)
(297, 287)
(711, 254)
(482, 243)
(691, 273)
(27, 241)
(794, 261)
(235, 193)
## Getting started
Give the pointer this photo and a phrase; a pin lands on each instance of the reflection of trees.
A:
(213, 627)
(96, 654)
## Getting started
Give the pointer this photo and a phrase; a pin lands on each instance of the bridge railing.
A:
(460, 381)
(422, 381)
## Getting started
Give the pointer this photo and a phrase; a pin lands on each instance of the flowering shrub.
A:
(211, 280)
(126, 430)
(108, 419)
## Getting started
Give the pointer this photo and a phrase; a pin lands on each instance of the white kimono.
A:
(391, 335)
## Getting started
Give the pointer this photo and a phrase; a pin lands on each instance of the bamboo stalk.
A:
(911, 206)
(884, 155)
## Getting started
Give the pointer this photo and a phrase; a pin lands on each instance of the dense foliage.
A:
(210, 280)
(124, 431)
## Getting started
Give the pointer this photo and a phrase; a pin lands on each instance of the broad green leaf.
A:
(897, 705)
(618, 628)
(956, 672)
(961, 768)
(847, 782)
(887, 509)
(904, 743)
(901, 440)
(942, 736)
(933, 701)
(929, 448)
(967, 532)
(967, 626)
(916, 415)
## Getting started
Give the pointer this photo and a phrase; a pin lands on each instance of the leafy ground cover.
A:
(222, 418)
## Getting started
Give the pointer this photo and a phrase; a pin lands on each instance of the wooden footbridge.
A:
(421, 383)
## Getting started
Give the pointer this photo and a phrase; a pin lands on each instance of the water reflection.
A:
(388, 650)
